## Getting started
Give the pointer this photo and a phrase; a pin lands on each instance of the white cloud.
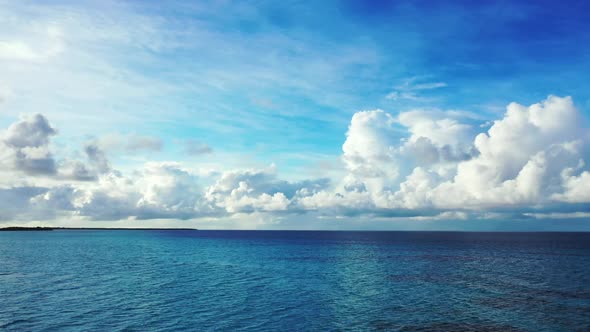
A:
(159, 190)
(167, 190)
(436, 137)
(337, 204)
(399, 95)
(410, 90)
(14, 202)
(369, 150)
(168, 186)
(84, 68)
(520, 157)
(97, 157)
(527, 164)
(33, 131)
(558, 215)
(258, 190)
(428, 86)
(24, 146)
(242, 199)
(74, 64)
(436, 126)
(532, 158)
(40, 45)
(577, 188)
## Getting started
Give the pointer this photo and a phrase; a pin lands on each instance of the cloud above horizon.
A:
(533, 160)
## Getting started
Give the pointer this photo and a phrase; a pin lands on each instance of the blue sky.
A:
(276, 88)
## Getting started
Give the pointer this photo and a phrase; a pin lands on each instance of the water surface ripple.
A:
(294, 281)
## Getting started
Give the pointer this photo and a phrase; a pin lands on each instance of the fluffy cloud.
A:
(530, 159)
(159, 190)
(436, 138)
(521, 157)
(33, 131)
(97, 157)
(15, 202)
(24, 146)
(369, 151)
(168, 187)
(418, 164)
(167, 190)
(259, 190)
(577, 188)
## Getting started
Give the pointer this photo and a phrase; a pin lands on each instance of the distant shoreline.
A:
(36, 229)
(18, 228)
(39, 228)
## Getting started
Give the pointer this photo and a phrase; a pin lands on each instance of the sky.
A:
(377, 115)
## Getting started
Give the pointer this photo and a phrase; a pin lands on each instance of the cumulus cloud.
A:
(15, 202)
(33, 131)
(532, 158)
(259, 190)
(521, 157)
(76, 170)
(436, 137)
(167, 190)
(97, 157)
(159, 190)
(420, 164)
(168, 186)
(24, 146)
(577, 188)
(369, 151)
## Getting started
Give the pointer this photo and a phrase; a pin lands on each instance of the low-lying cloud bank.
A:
(417, 164)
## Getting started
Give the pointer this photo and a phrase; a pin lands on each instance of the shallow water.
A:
(267, 280)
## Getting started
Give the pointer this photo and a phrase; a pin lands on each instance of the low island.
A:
(39, 228)
(18, 228)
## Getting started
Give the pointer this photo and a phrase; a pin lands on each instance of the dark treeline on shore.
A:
(38, 228)
(18, 228)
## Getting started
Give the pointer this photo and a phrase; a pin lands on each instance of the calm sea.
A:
(294, 281)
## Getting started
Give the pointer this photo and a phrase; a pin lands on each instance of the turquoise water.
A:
(287, 281)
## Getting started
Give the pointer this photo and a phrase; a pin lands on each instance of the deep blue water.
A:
(287, 281)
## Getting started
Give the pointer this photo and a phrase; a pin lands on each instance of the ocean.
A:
(167, 280)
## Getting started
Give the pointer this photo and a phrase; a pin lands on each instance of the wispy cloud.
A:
(411, 90)
(195, 148)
